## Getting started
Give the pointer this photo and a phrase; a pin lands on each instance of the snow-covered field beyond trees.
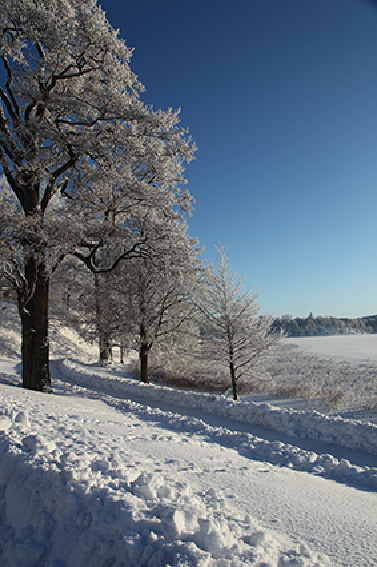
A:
(354, 347)
(109, 472)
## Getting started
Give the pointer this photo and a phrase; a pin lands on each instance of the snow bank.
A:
(304, 424)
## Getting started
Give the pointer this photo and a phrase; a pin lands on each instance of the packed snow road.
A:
(88, 478)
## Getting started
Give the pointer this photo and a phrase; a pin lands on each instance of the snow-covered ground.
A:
(107, 472)
(351, 347)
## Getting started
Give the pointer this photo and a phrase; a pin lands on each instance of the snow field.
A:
(72, 494)
(361, 347)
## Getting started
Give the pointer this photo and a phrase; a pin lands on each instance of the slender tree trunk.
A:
(105, 346)
(231, 362)
(231, 368)
(98, 314)
(234, 380)
(121, 353)
(68, 296)
(143, 353)
(34, 321)
(102, 333)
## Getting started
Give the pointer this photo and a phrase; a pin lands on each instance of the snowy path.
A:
(94, 391)
(128, 477)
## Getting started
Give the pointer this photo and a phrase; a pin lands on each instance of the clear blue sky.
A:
(281, 99)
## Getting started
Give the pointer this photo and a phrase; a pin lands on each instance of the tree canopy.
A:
(80, 152)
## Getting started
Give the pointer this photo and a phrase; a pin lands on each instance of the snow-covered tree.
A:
(233, 331)
(159, 288)
(80, 152)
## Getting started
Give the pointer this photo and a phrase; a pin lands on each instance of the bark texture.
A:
(34, 320)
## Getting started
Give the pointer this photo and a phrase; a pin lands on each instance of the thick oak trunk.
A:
(34, 320)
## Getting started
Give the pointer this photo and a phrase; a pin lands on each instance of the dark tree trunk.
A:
(234, 381)
(143, 354)
(34, 321)
(33, 305)
(145, 347)
(231, 366)
(103, 336)
(121, 353)
(68, 296)
(98, 315)
(105, 353)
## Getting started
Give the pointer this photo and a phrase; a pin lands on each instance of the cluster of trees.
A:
(183, 307)
(324, 325)
(140, 303)
(92, 202)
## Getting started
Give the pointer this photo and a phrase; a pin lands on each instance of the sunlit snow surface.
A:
(351, 347)
(108, 472)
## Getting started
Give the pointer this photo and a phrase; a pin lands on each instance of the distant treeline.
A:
(321, 326)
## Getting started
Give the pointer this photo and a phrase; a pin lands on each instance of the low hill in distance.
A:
(322, 326)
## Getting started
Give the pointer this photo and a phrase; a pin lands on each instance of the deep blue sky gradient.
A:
(281, 99)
